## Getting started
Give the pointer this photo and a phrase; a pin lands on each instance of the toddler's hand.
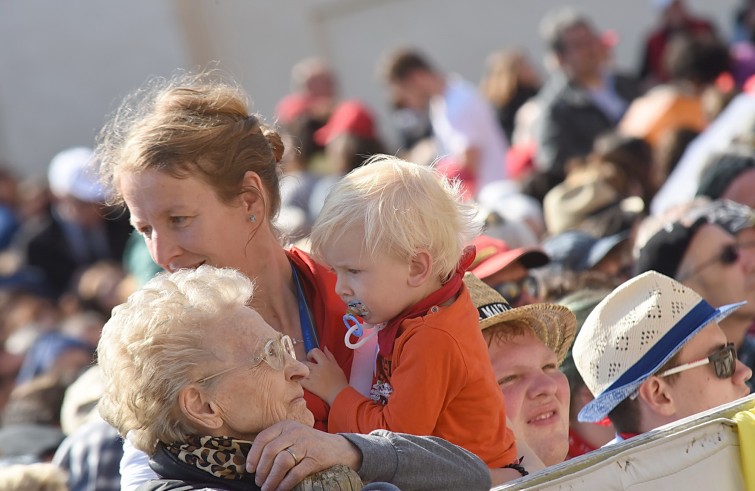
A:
(326, 379)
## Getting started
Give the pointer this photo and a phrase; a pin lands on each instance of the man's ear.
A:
(199, 408)
(656, 394)
(420, 268)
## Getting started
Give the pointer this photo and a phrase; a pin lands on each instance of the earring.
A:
(252, 218)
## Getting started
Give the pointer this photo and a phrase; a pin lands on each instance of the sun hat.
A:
(554, 325)
(493, 255)
(73, 172)
(632, 333)
(351, 118)
(567, 205)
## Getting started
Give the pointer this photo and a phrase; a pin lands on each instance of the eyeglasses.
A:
(273, 353)
(728, 255)
(724, 361)
(512, 290)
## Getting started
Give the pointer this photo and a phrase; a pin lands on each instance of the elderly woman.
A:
(197, 378)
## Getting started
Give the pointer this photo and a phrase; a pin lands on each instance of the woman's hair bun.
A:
(274, 140)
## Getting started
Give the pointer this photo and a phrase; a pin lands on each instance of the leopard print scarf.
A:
(221, 456)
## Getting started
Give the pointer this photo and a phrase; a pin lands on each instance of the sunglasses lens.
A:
(730, 254)
(509, 290)
(530, 284)
(725, 362)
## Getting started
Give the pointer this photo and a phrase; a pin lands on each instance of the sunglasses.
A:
(724, 362)
(512, 290)
(273, 353)
(728, 256)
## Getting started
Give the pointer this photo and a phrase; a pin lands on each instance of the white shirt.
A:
(462, 119)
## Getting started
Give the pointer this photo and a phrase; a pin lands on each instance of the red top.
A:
(319, 287)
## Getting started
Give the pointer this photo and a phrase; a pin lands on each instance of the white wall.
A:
(64, 65)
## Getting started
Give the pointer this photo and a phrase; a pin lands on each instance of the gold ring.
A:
(296, 461)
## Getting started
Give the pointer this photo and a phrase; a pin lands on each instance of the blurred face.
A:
(252, 398)
(515, 284)
(380, 283)
(719, 276)
(583, 52)
(411, 91)
(184, 223)
(536, 393)
(740, 190)
(699, 389)
(80, 212)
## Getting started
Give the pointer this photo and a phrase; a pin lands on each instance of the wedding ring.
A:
(296, 461)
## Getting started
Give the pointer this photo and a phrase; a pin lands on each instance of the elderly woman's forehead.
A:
(242, 323)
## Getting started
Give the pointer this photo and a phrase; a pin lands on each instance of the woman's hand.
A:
(326, 379)
(271, 458)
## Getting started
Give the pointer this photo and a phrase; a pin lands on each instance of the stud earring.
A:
(252, 218)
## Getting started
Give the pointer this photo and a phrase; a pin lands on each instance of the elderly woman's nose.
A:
(295, 370)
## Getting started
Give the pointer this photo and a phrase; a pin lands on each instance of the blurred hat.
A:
(73, 172)
(579, 251)
(722, 170)
(581, 303)
(554, 325)
(505, 199)
(35, 440)
(664, 251)
(493, 255)
(570, 203)
(80, 400)
(351, 118)
(632, 333)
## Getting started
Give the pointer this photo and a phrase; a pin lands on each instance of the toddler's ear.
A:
(420, 268)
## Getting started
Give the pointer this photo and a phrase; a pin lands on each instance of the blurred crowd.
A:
(585, 174)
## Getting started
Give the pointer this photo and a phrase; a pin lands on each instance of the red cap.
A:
(350, 117)
(291, 107)
(493, 255)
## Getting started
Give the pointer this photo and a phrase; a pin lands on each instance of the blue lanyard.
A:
(309, 336)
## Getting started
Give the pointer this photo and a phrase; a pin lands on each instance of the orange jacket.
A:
(318, 284)
(443, 385)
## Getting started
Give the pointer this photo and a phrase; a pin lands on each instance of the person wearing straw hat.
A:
(526, 346)
(708, 247)
(652, 352)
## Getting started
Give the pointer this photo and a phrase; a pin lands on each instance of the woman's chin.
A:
(305, 417)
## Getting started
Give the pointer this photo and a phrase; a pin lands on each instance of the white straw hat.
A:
(631, 334)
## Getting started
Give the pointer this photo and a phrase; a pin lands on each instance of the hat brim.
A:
(604, 246)
(555, 325)
(597, 409)
(527, 257)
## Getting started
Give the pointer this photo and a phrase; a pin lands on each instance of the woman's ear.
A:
(198, 408)
(252, 195)
(420, 268)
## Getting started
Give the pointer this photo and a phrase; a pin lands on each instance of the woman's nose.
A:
(163, 250)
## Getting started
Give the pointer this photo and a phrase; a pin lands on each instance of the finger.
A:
(260, 443)
(329, 355)
(268, 457)
(282, 463)
(315, 355)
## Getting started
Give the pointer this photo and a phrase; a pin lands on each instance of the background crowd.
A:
(585, 177)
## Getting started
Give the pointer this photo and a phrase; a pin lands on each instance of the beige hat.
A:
(554, 325)
(568, 204)
(632, 332)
